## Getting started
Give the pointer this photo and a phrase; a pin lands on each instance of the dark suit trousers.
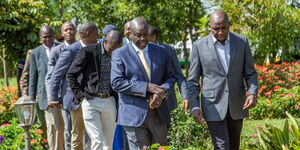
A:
(225, 134)
(150, 132)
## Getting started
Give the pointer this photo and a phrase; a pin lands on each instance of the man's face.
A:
(139, 36)
(92, 37)
(68, 32)
(47, 38)
(153, 38)
(112, 45)
(219, 29)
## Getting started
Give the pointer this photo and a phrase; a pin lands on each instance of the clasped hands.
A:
(158, 93)
(52, 105)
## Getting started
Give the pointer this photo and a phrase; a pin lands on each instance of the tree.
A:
(20, 21)
(174, 18)
(271, 25)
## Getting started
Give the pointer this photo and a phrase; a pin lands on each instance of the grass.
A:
(11, 81)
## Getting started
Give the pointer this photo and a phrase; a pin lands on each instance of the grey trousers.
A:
(150, 132)
(67, 128)
(226, 134)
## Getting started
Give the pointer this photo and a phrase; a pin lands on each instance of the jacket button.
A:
(226, 91)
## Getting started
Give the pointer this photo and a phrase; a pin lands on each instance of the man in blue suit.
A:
(68, 32)
(58, 77)
(179, 77)
(142, 75)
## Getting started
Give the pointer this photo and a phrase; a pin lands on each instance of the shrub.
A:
(279, 102)
(185, 133)
(14, 136)
(8, 96)
(276, 76)
(274, 138)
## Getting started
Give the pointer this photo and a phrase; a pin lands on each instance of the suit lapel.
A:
(212, 49)
(233, 48)
(137, 59)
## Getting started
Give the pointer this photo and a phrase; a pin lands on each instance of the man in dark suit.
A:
(141, 70)
(37, 90)
(179, 77)
(98, 100)
(224, 62)
(58, 82)
(126, 38)
(68, 32)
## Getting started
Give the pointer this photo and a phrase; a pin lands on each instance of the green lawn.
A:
(12, 82)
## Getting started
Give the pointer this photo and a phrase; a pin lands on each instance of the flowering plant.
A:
(12, 136)
(8, 97)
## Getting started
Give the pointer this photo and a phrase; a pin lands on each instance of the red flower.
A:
(33, 141)
(5, 125)
(45, 140)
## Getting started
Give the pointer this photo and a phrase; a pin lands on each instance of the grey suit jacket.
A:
(58, 77)
(37, 74)
(55, 52)
(179, 77)
(221, 92)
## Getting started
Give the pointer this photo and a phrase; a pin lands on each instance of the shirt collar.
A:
(66, 43)
(215, 40)
(138, 49)
(82, 44)
(47, 48)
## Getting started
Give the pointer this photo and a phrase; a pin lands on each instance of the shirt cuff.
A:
(195, 108)
(54, 102)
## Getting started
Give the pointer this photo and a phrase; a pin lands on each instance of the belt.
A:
(100, 95)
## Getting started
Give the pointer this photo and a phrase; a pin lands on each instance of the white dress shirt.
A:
(223, 52)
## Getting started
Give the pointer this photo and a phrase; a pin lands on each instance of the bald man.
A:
(63, 117)
(98, 100)
(142, 75)
(37, 90)
(224, 62)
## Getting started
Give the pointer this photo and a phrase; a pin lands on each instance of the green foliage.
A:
(279, 102)
(271, 25)
(171, 17)
(273, 138)
(184, 132)
(14, 136)
(278, 92)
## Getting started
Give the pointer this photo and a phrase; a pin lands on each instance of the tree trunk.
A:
(186, 54)
(3, 58)
(60, 8)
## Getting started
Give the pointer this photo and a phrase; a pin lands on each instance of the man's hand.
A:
(186, 105)
(52, 105)
(155, 89)
(197, 116)
(250, 102)
(156, 101)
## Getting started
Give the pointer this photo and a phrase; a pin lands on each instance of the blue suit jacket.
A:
(179, 77)
(129, 79)
(58, 76)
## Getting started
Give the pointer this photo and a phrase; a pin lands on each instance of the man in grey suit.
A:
(224, 62)
(68, 31)
(38, 69)
(180, 79)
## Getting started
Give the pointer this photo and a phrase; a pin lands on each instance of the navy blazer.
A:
(179, 77)
(58, 76)
(129, 79)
